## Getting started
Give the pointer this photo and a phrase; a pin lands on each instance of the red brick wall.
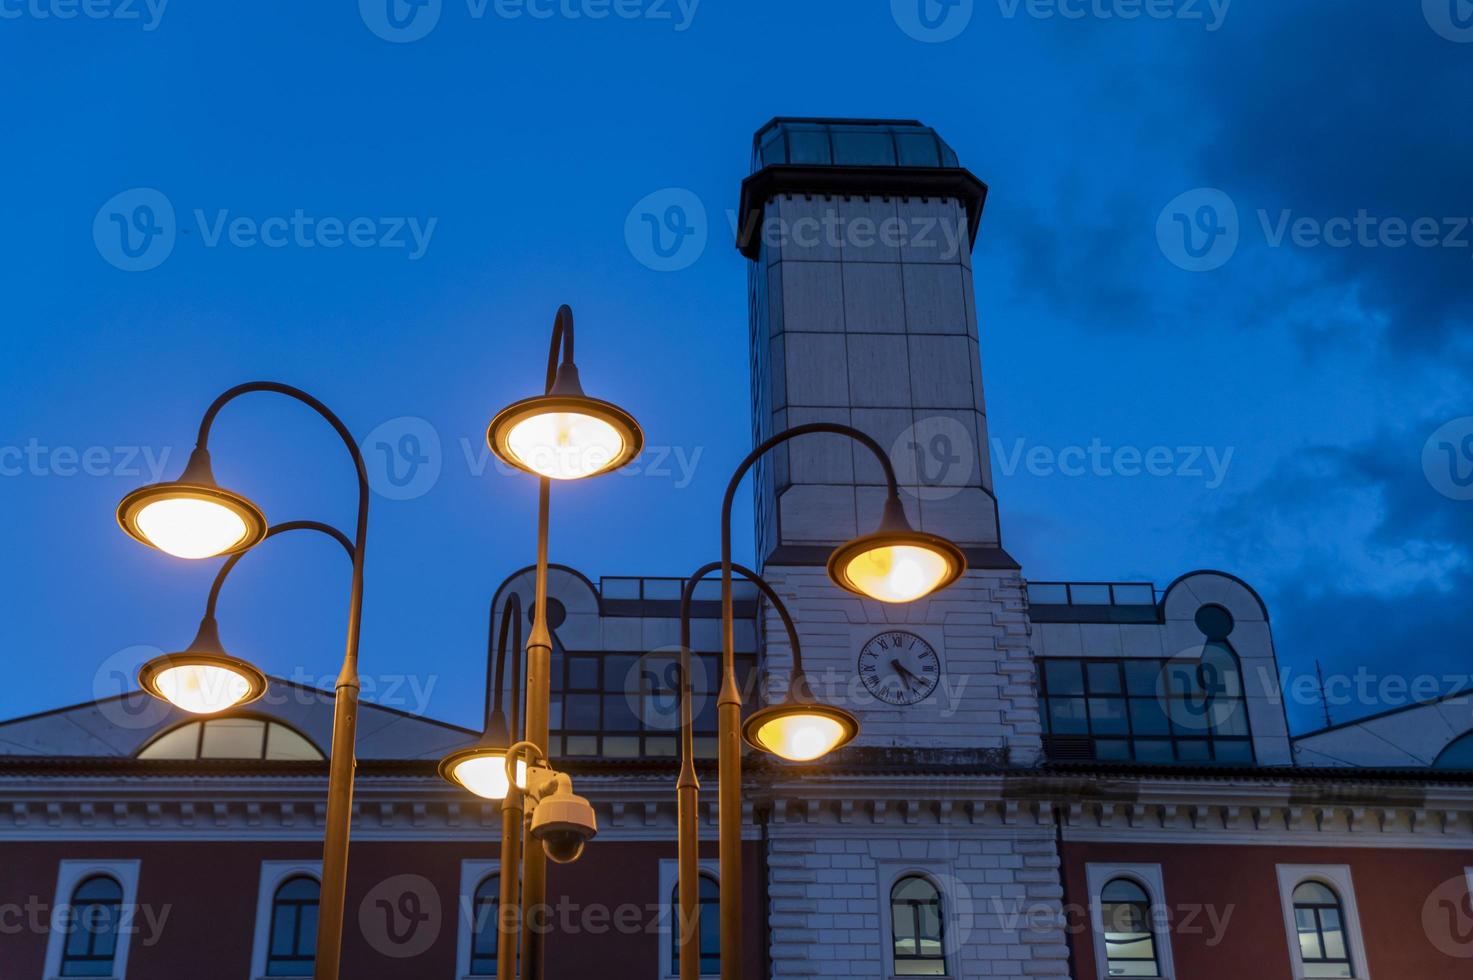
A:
(209, 893)
(1392, 888)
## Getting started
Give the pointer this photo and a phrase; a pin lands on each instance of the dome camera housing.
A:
(564, 823)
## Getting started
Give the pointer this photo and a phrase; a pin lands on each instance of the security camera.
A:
(564, 822)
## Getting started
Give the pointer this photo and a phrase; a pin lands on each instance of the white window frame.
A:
(273, 875)
(69, 875)
(939, 875)
(1148, 876)
(669, 878)
(1336, 876)
(472, 873)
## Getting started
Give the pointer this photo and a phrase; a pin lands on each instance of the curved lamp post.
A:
(800, 729)
(203, 679)
(481, 769)
(194, 517)
(561, 434)
(895, 563)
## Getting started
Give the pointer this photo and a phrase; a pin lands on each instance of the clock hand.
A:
(905, 675)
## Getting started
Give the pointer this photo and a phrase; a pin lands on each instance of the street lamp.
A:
(895, 563)
(561, 434)
(481, 769)
(799, 729)
(193, 517)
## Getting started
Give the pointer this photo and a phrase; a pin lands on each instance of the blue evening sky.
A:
(518, 144)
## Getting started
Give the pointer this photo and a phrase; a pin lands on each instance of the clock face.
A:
(899, 668)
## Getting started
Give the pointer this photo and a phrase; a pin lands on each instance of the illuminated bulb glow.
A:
(202, 688)
(485, 775)
(565, 445)
(800, 738)
(189, 527)
(897, 573)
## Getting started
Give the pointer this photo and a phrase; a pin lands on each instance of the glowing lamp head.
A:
(481, 769)
(896, 563)
(204, 679)
(565, 435)
(192, 517)
(800, 730)
(483, 772)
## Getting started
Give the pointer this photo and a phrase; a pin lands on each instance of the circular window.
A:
(1215, 622)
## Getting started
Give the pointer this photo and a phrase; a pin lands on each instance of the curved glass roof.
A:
(850, 143)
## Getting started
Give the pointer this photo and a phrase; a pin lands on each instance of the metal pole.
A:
(688, 786)
(539, 669)
(729, 704)
(508, 927)
(342, 764)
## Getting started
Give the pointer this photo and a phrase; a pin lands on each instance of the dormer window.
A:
(233, 738)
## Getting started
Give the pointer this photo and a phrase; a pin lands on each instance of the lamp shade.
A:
(192, 517)
(565, 435)
(799, 730)
(204, 679)
(896, 563)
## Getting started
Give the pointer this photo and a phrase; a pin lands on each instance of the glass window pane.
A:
(914, 889)
(620, 674)
(1123, 890)
(1090, 595)
(660, 746)
(1147, 718)
(619, 716)
(1107, 716)
(1063, 677)
(580, 712)
(583, 673)
(1112, 750)
(1314, 893)
(580, 745)
(181, 743)
(1142, 676)
(1067, 716)
(621, 746)
(1104, 678)
(866, 147)
(283, 743)
(917, 150)
(808, 146)
(1234, 752)
(233, 738)
(1192, 750)
(1153, 750)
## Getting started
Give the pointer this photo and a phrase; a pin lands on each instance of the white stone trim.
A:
(669, 878)
(956, 907)
(273, 874)
(69, 875)
(472, 873)
(1337, 876)
(1148, 876)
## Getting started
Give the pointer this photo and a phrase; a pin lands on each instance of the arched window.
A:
(1130, 943)
(232, 738)
(915, 927)
(293, 940)
(1319, 919)
(484, 908)
(710, 911)
(1457, 755)
(92, 928)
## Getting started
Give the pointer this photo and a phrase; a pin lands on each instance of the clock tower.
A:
(862, 311)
